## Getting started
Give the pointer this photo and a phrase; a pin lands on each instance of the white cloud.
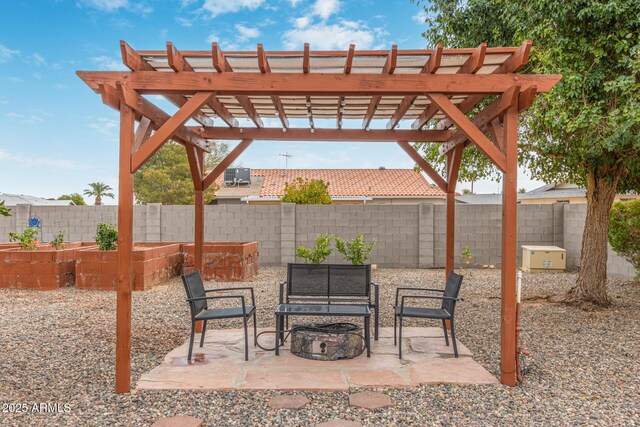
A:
(14, 79)
(6, 54)
(61, 86)
(327, 37)
(294, 3)
(420, 17)
(301, 22)
(184, 22)
(212, 38)
(218, 7)
(3, 100)
(104, 62)
(38, 60)
(246, 33)
(106, 127)
(34, 160)
(325, 8)
(115, 5)
(21, 118)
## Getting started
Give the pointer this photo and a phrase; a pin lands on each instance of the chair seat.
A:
(223, 313)
(423, 312)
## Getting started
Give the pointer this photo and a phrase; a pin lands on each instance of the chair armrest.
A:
(415, 289)
(246, 288)
(281, 295)
(426, 297)
(244, 309)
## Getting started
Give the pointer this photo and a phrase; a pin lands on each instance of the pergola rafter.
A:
(420, 85)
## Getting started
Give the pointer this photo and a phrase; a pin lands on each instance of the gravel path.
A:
(58, 347)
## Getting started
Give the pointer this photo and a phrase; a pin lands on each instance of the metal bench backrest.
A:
(452, 289)
(328, 280)
(195, 289)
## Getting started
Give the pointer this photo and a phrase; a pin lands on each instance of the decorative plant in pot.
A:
(320, 251)
(106, 236)
(355, 251)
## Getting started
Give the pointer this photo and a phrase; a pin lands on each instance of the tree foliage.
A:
(4, 211)
(624, 231)
(355, 251)
(76, 198)
(99, 190)
(306, 192)
(166, 178)
(590, 122)
(106, 236)
(320, 251)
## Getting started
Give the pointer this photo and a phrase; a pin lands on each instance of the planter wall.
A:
(43, 269)
(153, 263)
(224, 261)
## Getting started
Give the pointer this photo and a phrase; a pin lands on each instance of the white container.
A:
(543, 258)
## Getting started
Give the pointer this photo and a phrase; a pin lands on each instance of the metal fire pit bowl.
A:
(327, 341)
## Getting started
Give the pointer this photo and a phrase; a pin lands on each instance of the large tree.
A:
(586, 130)
(76, 198)
(166, 177)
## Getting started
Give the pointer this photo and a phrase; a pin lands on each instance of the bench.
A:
(331, 284)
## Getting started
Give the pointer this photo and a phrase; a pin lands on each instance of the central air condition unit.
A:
(237, 176)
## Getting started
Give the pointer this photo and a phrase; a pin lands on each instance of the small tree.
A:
(4, 211)
(522, 190)
(306, 192)
(99, 190)
(355, 251)
(466, 191)
(26, 239)
(106, 236)
(466, 255)
(320, 251)
(76, 198)
(624, 232)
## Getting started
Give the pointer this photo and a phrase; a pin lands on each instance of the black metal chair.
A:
(446, 312)
(197, 299)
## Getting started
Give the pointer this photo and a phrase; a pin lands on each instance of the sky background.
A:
(56, 135)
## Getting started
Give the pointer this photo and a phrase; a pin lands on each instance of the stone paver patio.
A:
(220, 365)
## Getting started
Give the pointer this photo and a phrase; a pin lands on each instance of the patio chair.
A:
(446, 312)
(197, 299)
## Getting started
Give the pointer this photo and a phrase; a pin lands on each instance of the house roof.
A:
(23, 199)
(342, 183)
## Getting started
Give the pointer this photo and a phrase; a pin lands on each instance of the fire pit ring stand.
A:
(327, 341)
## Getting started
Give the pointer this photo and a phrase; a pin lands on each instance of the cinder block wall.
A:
(409, 235)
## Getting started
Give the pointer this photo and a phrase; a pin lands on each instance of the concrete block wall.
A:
(409, 235)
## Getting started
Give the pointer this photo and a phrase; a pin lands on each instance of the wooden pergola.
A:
(435, 88)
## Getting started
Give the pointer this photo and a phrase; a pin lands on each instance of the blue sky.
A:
(56, 135)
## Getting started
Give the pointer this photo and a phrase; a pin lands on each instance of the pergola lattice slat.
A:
(430, 84)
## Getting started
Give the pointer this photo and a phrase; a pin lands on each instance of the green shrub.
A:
(4, 211)
(466, 255)
(306, 192)
(106, 236)
(320, 251)
(355, 251)
(58, 241)
(26, 239)
(624, 232)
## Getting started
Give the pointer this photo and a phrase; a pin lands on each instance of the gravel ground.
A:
(58, 347)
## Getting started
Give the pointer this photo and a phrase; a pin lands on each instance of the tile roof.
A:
(348, 182)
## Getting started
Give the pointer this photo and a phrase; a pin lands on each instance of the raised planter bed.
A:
(153, 263)
(43, 269)
(224, 261)
(11, 245)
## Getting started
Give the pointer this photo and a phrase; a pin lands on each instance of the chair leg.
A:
(453, 338)
(376, 324)
(446, 336)
(255, 330)
(204, 329)
(395, 327)
(277, 335)
(193, 333)
(400, 339)
(367, 335)
(246, 339)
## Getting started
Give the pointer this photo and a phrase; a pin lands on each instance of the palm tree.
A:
(99, 190)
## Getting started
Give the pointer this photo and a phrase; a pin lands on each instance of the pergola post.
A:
(125, 252)
(509, 247)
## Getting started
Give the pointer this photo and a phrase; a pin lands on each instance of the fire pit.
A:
(327, 341)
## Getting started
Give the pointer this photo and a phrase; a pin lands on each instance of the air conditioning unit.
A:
(237, 176)
(543, 258)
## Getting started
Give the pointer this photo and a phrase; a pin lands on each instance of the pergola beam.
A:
(263, 65)
(296, 84)
(430, 67)
(168, 129)
(469, 129)
(143, 132)
(298, 134)
(389, 68)
(424, 165)
(471, 66)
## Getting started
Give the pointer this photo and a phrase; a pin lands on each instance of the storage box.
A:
(543, 258)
